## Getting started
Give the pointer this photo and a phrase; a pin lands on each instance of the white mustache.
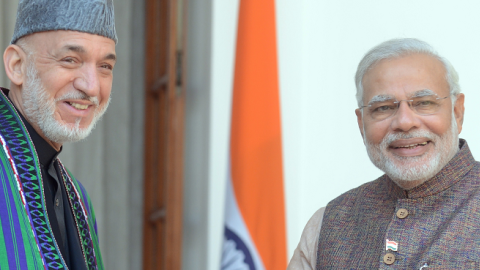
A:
(78, 95)
(391, 137)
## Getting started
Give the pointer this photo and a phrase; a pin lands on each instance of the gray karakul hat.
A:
(89, 16)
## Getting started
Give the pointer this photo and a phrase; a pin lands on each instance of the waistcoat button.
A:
(402, 213)
(389, 258)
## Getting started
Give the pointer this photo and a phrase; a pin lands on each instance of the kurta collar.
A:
(45, 152)
(455, 169)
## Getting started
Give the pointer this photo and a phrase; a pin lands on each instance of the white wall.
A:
(320, 43)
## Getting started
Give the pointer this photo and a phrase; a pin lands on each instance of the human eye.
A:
(107, 66)
(382, 108)
(425, 102)
(69, 60)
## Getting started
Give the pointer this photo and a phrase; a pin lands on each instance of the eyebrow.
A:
(111, 56)
(380, 98)
(383, 98)
(73, 48)
(80, 49)
(422, 93)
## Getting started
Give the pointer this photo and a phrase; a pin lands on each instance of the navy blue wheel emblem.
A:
(236, 255)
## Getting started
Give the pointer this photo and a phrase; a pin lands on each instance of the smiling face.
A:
(66, 83)
(408, 147)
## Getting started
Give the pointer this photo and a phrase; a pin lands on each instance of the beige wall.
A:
(110, 162)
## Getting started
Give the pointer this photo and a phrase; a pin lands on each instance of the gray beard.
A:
(417, 168)
(39, 109)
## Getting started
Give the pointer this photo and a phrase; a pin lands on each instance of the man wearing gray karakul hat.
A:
(60, 65)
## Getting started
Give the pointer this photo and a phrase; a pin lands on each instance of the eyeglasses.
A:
(422, 105)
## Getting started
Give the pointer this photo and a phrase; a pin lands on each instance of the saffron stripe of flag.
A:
(255, 234)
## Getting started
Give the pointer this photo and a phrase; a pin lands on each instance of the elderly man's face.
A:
(409, 147)
(72, 72)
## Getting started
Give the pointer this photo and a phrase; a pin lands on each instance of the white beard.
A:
(39, 108)
(418, 168)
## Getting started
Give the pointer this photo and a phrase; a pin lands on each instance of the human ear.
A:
(14, 61)
(359, 121)
(459, 110)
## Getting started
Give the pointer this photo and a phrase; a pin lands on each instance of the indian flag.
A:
(255, 235)
(392, 245)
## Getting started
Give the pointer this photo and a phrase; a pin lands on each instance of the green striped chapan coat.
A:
(26, 237)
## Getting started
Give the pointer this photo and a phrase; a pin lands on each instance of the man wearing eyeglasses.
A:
(424, 212)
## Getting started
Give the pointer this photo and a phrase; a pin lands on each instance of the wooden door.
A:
(164, 134)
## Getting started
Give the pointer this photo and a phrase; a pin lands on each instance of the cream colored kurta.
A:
(305, 255)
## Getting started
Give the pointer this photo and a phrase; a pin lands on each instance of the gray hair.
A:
(395, 48)
(24, 44)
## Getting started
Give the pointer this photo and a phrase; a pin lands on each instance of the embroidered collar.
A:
(455, 169)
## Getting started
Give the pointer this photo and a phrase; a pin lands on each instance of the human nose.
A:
(405, 118)
(87, 81)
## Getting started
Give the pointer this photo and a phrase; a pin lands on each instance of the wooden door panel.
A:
(164, 133)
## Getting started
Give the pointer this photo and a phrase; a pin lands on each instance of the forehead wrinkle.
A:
(380, 98)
